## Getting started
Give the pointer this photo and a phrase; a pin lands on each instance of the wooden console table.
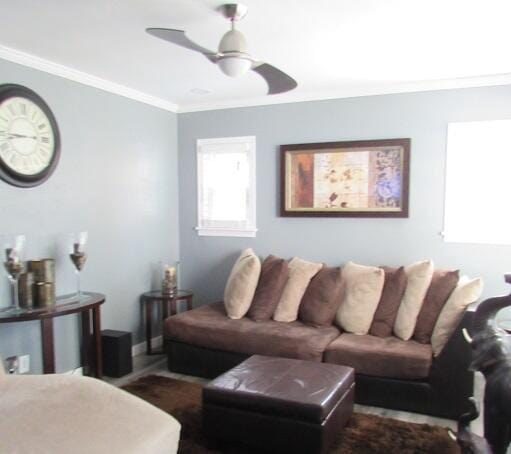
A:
(91, 342)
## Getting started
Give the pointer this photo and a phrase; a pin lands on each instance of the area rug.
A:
(364, 434)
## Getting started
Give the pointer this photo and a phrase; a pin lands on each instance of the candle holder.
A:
(13, 265)
(78, 257)
(169, 280)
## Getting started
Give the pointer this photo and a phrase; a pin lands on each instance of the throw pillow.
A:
(442, 285)
(322, 297)
(274, 274)
(386, 312)
(300, 274)
(419, 276)
(364, 285)
(466, 292)
(241, 285)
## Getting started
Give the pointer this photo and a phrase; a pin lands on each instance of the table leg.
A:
(173, 306)
(189, 305)
(165, 309)
(148, 327)
(47, 344)
(96, 332)
(86, 343)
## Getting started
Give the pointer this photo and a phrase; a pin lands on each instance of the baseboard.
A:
(135, 350)
(77, 371)
(138, 349)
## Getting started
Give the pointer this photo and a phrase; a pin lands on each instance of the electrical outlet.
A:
(12, 364)
(23, 364)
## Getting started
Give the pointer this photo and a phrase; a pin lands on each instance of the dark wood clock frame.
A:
(12, 177)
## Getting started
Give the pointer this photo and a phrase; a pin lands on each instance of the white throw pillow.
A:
(418, 276)
(363, 287)
(466, 292)
(242, 284)
(300, 274)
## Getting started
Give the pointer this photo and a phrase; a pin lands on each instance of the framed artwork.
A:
(366, 178)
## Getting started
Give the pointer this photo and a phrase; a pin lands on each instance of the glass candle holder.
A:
(14, 247)
(78, 256)
(169, 279)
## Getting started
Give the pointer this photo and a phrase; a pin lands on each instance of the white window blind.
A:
(226, 186)
(478, 183)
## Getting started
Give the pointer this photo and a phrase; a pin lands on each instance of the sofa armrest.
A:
(450, 377)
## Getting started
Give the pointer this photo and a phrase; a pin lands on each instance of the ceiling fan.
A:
(232, 56)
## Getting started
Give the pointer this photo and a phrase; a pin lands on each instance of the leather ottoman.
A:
(279, 404)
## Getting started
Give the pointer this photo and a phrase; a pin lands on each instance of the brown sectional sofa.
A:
(390, 372)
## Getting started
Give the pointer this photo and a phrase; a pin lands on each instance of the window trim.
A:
(250, 229)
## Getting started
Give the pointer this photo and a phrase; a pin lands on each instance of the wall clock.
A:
(29, 137)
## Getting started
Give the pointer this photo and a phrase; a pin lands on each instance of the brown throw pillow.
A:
(441, 287)
(274, 274)
(322, 297)
(392, 294)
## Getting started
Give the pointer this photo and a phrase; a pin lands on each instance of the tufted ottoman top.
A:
(292, 388)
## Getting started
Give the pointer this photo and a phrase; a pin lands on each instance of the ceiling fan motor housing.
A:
(233, 41)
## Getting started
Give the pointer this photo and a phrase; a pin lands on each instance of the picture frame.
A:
(362, 178)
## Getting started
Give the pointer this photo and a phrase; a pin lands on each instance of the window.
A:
(478, 183)
(226, 186)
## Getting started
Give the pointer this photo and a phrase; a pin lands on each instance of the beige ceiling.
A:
(332, 48)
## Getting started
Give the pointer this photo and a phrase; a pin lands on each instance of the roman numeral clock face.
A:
(29, 137)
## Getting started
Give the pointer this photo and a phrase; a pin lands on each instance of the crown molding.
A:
(376, 90)
(25, 59)
(66, 72)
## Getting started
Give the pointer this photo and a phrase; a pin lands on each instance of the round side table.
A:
(148, 299)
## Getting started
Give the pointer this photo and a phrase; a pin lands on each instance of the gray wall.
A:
(423, 117)
(117, 178)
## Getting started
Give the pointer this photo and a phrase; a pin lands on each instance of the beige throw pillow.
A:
(364, 285)
(418, 276)
(242, 284)
(466, 292)
(300, 274)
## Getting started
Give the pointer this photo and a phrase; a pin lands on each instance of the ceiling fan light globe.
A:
(234, 66)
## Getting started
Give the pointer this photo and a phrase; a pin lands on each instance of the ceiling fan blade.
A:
(179, 38)
(278, 81)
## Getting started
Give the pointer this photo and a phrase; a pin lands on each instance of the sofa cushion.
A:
(242, 283)
(363, 289)
(466, 292)
(273, 278)
(381, 357)
(442, 285)
(322, 297)
(386, 312)
(418, 277)
(209, 327)
(300, 274)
